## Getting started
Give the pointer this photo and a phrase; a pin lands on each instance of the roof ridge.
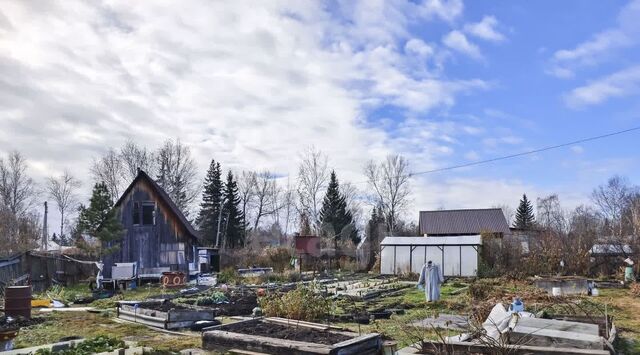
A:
(465, 209)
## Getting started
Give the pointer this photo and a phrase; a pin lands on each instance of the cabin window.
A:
(136, 213)
(148, 213)
(172, 254)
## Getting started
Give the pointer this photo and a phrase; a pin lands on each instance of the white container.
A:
(595, 292)
(556, 291)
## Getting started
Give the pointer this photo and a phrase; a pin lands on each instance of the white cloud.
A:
(577, 149)
(457, 41)
(601, 46)
(247, 84)
(447, 10)
(485, 29)
(416, 46)
(623, 83)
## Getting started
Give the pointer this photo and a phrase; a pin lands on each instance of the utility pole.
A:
(44, 227)
(224, 200)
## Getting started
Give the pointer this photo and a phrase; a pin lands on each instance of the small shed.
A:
(457, 255)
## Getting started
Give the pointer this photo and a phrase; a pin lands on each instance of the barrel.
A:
(17, 301)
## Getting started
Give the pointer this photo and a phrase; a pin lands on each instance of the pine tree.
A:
(335, 219)
(524, 214)
(232, 214)
(207, 220)
(99, 221)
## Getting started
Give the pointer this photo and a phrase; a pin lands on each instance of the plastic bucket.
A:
(556, 291)
(595, 292)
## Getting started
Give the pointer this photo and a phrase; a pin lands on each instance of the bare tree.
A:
(266, 193)
(62, 189)
(246, 190)
(550, 214)
(19, 226)
(313, 174)
(286, 207)
(611, 199)
(16, 187)
(389, 181)
(353, 198)
(109, 169)
(508, 211)
(177, 173)
(135, 157)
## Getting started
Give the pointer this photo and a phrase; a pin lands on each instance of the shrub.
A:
(228, 276)
(302, 303)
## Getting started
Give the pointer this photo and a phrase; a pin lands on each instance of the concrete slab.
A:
(445, 321)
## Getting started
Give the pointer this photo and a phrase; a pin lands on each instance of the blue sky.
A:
(254, 84)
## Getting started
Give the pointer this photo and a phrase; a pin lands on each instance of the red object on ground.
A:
(173, 279)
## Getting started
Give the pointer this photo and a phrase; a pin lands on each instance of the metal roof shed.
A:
(456, 255)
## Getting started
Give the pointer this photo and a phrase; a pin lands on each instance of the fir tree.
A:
(524, 214)
(99, 221)
(232, 214)
(207, 220)
(335, 219)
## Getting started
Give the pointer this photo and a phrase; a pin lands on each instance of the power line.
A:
(544, 149)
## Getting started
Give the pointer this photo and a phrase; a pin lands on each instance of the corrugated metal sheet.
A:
(453, 240)
(456, 222)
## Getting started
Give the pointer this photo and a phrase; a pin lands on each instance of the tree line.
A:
(230, 209)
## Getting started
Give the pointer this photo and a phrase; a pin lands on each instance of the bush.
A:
(228, 276)
(302, 303)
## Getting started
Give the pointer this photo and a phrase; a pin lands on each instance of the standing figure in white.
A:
(430, 279)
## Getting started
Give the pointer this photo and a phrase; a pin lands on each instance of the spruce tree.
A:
(232, 214)
(207, 220)
(524, 214)
(336, 220)
(99, 221)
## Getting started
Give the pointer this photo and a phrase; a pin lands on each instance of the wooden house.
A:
(157, 237)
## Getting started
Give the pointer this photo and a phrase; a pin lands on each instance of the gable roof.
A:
(142, 176)
(470, 221)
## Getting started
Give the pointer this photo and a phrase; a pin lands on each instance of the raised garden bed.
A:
(162, 314)
(283, 336)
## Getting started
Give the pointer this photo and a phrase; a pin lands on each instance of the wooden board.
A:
(468, 347)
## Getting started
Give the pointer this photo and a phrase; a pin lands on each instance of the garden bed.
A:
(283, 336)
(162, 314)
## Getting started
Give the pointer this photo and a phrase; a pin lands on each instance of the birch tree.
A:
(313, 175)
(389, 181)
(109, 170)
(136, 157)
(62, 189)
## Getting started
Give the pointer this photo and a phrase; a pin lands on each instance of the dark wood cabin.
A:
(157, 237)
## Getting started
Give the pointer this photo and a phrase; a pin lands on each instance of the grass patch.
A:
(90, 325)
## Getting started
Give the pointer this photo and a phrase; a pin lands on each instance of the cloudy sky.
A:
(252, 83)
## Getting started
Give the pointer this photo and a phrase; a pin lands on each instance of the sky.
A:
(254, 83)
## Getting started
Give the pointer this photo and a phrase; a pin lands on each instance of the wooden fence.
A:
(42, 270)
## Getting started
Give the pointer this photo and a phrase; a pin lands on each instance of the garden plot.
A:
(283, 336)
(366, 289)
(162, 314)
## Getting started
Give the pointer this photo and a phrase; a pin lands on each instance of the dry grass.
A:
(86, 325)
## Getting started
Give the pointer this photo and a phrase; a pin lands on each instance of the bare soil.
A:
(239, 305)
(18, 323)
(287, 332)
(163, 307)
